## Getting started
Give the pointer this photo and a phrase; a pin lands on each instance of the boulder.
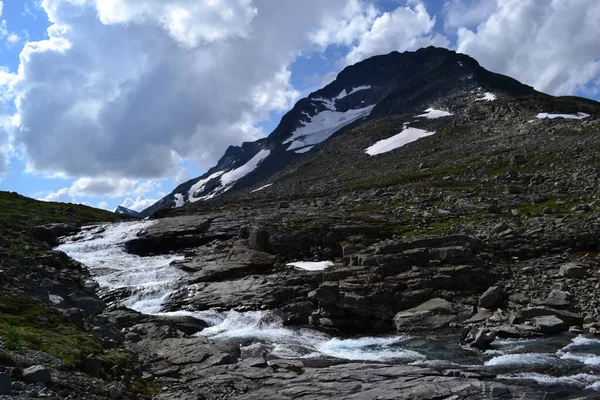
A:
(572, 270)
(490, 297)
(433, 314)
(36, 373)
(556, 298)
(549, 324)
(525, 314)
(480, 338)
(259, 239)
(114, 392)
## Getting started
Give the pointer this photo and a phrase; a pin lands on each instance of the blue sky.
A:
(110, 103)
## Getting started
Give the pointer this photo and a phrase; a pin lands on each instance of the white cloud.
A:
(356, 19)
(62, 196)
(103, 205)
(1, 7)
(94, 187)
(552, 45)
(189, 22)
(405, 28)
(129, 88)
(458, 13)
(139, 204)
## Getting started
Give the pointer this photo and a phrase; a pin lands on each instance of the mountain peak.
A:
(380, 86)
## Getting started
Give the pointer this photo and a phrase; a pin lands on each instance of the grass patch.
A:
(27, 323)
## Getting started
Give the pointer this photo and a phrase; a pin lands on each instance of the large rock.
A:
(259, 239)
(36, 373)
(572, 270)
(549, 324)
(525, 314)
(556, 298)
(433, 314)
(480, 338)
(491, 297)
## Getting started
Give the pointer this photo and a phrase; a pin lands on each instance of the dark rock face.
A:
(36, 373)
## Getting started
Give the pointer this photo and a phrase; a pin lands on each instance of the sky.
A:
(115, 102)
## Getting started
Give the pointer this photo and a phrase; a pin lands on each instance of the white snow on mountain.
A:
(356, 89)
(579, 115)
(406, 136)
(312, 265)
(487, 96)
(179, 202)
(199, 186)
(230, 177)
(323, 125)
(261, 188)
(304, 150)
(431, 113)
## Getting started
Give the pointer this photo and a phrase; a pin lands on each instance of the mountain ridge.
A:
(388, 85)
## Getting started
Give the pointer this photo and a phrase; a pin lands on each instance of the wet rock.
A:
(186, 323)
(549, 324)
(433, 314)
(491, 297)
(36, 373)
(480, 338)
(572, 270)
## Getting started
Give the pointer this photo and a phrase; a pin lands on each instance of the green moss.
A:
(36, 326)
(14, 340)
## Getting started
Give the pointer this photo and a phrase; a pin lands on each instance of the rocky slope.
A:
(380, 86)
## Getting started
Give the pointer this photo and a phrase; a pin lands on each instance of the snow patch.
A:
(487, 96)
(392, 143)
(579, 115)
(304, 150)
(356, 89)
(199, 186)
(323, 125)
(178, 200)
(261, 188)
(312, 265)
(461, 64)
(431, 113)
(238, 173)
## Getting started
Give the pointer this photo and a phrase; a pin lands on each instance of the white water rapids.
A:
(147, 281)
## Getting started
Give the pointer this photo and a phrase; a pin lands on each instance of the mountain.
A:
(377, 87)
(128, 212)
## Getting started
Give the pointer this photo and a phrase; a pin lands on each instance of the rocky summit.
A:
(420, 228)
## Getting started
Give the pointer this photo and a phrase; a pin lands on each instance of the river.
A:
(568, 360)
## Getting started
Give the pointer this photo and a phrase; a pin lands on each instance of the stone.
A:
(490, 297)
(572, 270)
(556, 298)
(259, 239)
(5, 386)
(18, 386)
(549, 324)
(500, 227)
(480, 338)
(114, 392)
(525, 314)
(36, 373)
(433, 314)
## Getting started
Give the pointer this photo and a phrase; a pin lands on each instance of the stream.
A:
(568, 360)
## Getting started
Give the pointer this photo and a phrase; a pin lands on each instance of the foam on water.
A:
(580, 380)
(150, 279)
(302, 343)
(520, 359)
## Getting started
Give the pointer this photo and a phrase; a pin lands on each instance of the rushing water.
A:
(564, 360)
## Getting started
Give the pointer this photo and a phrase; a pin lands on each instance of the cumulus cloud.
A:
(551, 45)
(128, 88)
(459, 13)
(139, 204)
(405, 28)
(61, 196)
